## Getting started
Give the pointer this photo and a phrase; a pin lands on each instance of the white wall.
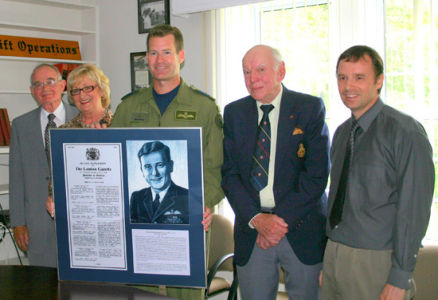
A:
(119, 36)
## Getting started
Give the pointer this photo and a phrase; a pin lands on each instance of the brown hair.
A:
(166, 29)
(355, 53)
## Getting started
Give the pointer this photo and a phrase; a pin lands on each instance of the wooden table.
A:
(30, 282)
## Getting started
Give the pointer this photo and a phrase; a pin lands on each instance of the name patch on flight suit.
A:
(138, 117)
(185, 115)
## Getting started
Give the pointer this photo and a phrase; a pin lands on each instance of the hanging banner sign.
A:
(38, 47)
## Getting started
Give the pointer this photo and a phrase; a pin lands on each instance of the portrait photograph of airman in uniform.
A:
(158, 182)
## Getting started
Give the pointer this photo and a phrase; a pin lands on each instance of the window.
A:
(305, 49)
(285, 26)
(412, 71)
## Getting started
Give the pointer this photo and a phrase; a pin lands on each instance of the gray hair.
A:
(277, 57)
(48, 66)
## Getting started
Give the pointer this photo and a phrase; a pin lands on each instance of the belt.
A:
(268, 210)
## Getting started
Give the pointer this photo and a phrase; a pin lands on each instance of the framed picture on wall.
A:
(140, 76)
(151, 13)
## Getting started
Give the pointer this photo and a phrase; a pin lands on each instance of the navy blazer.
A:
(300, 176)
(173, 208)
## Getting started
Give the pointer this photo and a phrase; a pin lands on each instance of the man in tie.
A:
(163, 201)
(380, 197)
(275, 171)
(29, 170)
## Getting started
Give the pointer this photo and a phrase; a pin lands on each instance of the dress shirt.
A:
(59, 117)
(390, 187)
(162, 194)
(267, 193)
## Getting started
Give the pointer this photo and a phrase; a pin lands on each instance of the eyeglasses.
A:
(86, 89)
(50, 82)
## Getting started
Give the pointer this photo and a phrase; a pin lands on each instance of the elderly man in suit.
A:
(29, 169)
(274, 176)
(163, 202)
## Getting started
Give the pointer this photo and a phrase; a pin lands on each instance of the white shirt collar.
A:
(60, 115)
(275, 102)
(162, 193)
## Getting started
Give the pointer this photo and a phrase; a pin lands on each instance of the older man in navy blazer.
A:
(277, 194)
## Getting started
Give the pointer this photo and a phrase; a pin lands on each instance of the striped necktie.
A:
(260, 167)
(50, 124)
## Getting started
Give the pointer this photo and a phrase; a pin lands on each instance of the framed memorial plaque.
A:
(129, 205)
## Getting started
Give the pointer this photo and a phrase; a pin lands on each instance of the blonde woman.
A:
(88, 88)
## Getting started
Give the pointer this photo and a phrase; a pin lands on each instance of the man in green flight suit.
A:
(170, 102)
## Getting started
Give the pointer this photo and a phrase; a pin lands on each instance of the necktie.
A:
(338, 205)
(260, 167)
(156, 203)
(50, 124)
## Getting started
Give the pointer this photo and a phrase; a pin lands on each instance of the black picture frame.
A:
(152, 13)
(140, 76)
